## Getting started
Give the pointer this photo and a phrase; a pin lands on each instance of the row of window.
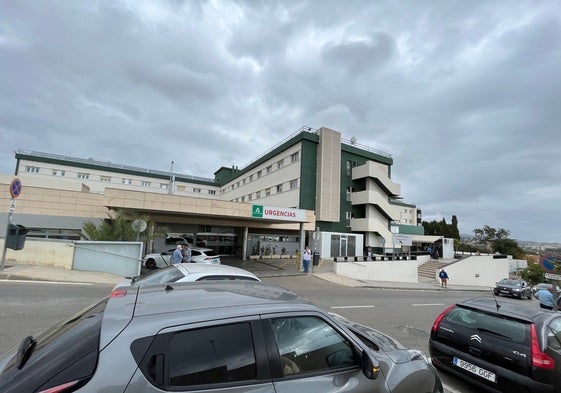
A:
(294, 157)
(124, 180)
(293, 185)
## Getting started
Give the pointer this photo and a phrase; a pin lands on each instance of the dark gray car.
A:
(220, 336)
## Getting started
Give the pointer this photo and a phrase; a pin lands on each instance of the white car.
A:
(198, 255)
(190, 272)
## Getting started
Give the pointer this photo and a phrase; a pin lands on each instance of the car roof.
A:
(203, 268)
(208, 296)
(529, 313)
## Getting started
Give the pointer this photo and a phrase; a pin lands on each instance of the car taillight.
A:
(440, 317)
(540, 359)
(118, 293)
(61, 388)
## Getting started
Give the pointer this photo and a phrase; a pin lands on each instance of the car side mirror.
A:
(370, 366)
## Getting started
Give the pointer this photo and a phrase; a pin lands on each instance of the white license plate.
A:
(472, 368)
(503, 291)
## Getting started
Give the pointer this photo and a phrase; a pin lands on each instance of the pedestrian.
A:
(186, 253)
(443, 278)
(306, 257)
(177, 255)
(545, 296)
(435, 254)
(429, 251)
(369, 254)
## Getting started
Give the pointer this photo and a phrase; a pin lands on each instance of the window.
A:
(197, 190)
(105, 179)
(348, 217)
(83, 176)
(350, 190)
(243, 198)
(279, 188)
(280, 164)
(349, 167)
(126, 181)
(268, 169)
(267, 191)
(294, 157)
(250, 177)
(258, 194)
(250, 197)
(259, 174)
(164, 186)
(58, 172)
(309, 344)
(293, 184)
(145, 183)
(209, 355)
(212, 192)
(244, 180)
(32, 169)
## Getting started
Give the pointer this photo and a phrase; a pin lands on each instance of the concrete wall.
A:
(51, 253)
(397, 271)
(121, 258)
(477, 271)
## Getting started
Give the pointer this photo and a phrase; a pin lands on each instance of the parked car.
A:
(189, 272)
(163, 259)
(219, 336)
(513, 287)
(544, 285)
(500, 347)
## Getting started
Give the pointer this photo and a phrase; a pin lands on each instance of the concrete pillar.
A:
(302, 245)
(244, 243)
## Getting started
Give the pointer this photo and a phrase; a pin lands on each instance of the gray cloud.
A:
(463, 95)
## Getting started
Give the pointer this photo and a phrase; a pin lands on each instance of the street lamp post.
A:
(170, 191)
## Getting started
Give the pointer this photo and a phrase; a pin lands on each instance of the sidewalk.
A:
(261, 268)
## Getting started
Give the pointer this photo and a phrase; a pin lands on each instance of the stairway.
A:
(427, 271)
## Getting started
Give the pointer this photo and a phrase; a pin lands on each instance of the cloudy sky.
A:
(465, 95)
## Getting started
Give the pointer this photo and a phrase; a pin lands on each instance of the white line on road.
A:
(365, 306)
(427, 304)
(48, 282)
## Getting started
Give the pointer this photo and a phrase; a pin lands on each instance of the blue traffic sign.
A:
(15, 188)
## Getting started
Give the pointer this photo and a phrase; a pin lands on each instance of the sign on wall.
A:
(278, 213)
(402, 240)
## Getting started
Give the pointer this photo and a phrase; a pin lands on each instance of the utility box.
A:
(15, 238)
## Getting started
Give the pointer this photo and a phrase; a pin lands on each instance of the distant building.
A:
(313, 181)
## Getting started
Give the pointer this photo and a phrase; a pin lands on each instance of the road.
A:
(27, 308)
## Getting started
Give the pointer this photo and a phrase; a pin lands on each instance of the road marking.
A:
(365, 306)
(427, 304)
(48, 282)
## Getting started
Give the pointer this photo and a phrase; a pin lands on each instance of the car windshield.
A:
(514, 283)
(210, 253)
(163, 276)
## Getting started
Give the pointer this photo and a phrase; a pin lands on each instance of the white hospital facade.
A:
(313, 184)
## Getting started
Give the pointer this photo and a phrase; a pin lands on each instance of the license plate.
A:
(503, 291)
(472, 368)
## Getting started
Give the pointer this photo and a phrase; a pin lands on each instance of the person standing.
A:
(545, 296)
(187, 253)
(306, 257)
(443, 278)
(177, 255)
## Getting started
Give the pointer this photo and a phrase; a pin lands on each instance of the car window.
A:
(485, 323)
(211, 253)
(169, 274)
(203, 356)
(226, 277)
(195, 253)
(309, 344)
(554, 334)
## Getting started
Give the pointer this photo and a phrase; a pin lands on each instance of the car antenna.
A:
(495, 299)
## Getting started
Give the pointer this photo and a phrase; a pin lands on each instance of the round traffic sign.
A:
(16, 187)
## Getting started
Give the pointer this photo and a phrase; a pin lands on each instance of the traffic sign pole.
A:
(12, 208)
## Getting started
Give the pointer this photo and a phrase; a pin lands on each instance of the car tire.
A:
(521, 296)
(150, 264)
(529, 297)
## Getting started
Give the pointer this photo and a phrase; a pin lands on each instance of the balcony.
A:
(368, 225)
(377, 199)
(374, 171)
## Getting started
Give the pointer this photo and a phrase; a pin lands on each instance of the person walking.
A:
(306, 257)
(545, 296)
(177, 255)
(186, 253)
(443, 278)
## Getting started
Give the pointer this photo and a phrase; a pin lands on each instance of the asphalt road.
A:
(27, 308)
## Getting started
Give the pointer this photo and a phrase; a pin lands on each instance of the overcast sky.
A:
(465, 95)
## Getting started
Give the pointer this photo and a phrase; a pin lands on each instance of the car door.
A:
(308, 353)
(226, 356)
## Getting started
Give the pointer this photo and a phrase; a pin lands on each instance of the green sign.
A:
(257, 211)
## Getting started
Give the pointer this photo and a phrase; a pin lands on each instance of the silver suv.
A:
(212, 336)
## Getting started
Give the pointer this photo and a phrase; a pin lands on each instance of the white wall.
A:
(396, 271)
(44, 252)
(481, 271)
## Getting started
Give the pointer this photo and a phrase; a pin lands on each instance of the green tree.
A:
(497, 240)
(442, 228)
(533, 274)
(116, 228)
(509, 247)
